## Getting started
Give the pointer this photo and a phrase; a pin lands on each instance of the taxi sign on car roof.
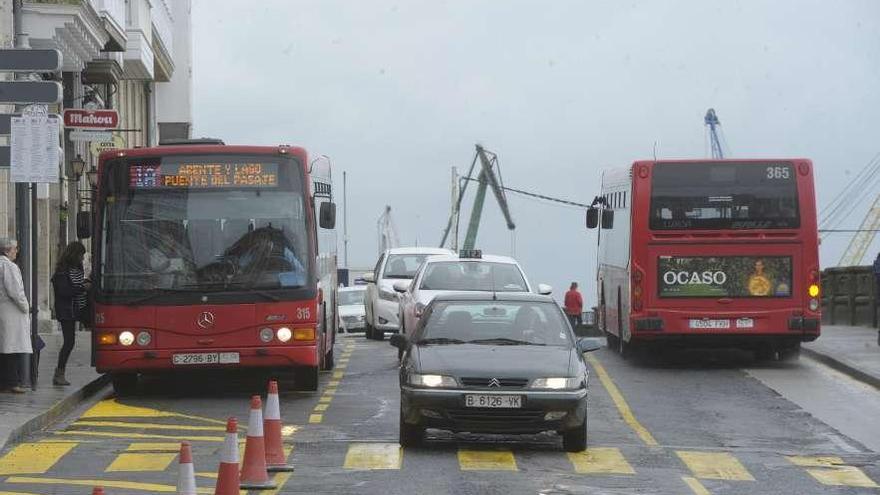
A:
(470, 253)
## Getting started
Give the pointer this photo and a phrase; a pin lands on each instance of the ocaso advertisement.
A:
(724, 276)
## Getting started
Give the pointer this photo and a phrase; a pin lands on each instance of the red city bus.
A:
(709, 253)
(213, 256)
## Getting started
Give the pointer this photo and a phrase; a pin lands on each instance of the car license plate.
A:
(710, 324)
(493, 401)
(745, 323)
(205, 358)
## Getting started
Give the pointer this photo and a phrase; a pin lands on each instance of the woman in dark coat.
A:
(71, 295)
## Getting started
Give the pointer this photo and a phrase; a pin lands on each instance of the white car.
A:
(398, 264)
(352, 314)
(468, 272)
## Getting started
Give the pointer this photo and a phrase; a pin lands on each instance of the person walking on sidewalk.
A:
(71, 293)
(15, 321)
(574, 305)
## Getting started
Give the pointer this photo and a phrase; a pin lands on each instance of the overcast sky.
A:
(397, 92)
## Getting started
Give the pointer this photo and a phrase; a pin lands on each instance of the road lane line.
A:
(321, 407)
(146, 426)
(715, 466)
(124, 485)
(111, 408)
(316, 418)
(622, 407)
(338, 374)
(139, 435)
(368, 456)
(153, 447)
(833, 471)
(486, 460)
(600, 460)
(325, 399)
(141, 462)
(695, 485)
(33, 458)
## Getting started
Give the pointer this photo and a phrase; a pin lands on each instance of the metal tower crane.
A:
(714, 125)
(387, 232)
(862, 240)
(859, 191)
(489, 176)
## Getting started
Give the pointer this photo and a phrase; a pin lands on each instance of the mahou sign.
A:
(95, 119)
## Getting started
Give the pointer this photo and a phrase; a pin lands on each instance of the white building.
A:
(131, 55)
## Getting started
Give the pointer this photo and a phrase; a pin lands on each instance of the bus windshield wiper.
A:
(439, 341)
(156, 292)
(503, 341)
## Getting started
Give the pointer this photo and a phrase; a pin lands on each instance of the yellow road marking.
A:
(832, 471)
(325, 399)
(153, 447)
(33, 458)
(207, 475)
(288, 430)
(330, 391)
(622, 407)
(125, 485)
(333, 383)
(715, 466)
(695, 485)
(281, 479)
(111, 408)
(600, 460)
(147, 426)
(374, 456)
(338, 374)
(16, 493)
(139, 435)
(141, 462)
(486, 460)
(316, 418)
(321, 407)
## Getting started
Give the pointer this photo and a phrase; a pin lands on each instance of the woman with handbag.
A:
(71, 297)
(15, 322)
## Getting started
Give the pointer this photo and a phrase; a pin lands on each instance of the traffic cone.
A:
(275, 458)
(186, 477)
(227, 475)
(253, 470)
(98, 490)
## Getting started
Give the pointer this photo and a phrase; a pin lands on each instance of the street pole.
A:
(345, 218)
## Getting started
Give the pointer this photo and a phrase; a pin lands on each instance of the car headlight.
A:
(558, 383)
(432, 381)
(126, 338)
(387, 295)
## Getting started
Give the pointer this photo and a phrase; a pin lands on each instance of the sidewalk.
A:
(851, 350)
(22, 414)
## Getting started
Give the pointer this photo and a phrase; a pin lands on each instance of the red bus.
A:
(708, 253)
(213, 256)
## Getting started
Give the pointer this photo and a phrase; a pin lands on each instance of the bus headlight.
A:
(126, 338)
(284, 334)
(144, 339)
(266, 335)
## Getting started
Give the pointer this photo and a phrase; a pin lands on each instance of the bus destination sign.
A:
(203, 175)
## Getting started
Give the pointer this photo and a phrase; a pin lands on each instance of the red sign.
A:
(94, 119)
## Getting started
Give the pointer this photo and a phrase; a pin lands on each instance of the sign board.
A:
(115, 143)
(28, 60)
(79, 136)
(724, 276)
(25, 92)
(6, 122)
(34, 151)
(91, 119)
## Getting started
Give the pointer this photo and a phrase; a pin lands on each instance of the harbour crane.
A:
(715, 138)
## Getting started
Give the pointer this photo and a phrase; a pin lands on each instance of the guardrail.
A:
(849, 296)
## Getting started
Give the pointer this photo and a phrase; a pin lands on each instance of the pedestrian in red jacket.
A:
(574, 305)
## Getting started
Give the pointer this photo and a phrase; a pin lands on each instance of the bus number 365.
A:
(778, 173)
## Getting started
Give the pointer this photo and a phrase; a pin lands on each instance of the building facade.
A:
(134, 56)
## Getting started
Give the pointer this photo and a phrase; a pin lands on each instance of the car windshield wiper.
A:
(440, 341)
(503, 341)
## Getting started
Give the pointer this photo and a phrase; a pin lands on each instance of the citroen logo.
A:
(494, 382)
(206, 320)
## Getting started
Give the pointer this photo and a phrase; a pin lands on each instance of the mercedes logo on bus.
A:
(206, 319)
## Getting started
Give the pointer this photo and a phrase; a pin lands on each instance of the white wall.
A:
(174, 98)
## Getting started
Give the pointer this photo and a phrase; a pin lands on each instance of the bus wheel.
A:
(124, 384)
(306, 378)
(790, 353)
(765, 353)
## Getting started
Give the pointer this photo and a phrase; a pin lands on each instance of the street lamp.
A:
(78, 165)
(92, 174)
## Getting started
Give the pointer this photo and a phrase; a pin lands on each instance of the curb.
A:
(57, 410)
(844, 368)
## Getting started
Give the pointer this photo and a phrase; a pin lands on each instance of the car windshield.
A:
(496, 323)
(351, 297)
(403, 266)
(473, 276)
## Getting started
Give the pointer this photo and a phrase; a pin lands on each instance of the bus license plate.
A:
(710, 324)
(493, 401)
(205, 358)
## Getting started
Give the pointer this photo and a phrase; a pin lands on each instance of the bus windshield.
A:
(203, 223)
(724, 196)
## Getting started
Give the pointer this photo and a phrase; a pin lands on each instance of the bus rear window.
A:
(687, 196)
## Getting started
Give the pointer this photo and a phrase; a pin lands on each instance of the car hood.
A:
(352, 310)
(477, 360)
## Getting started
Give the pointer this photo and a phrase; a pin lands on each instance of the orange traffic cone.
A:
(227, 475)
(253, 470)
(186, 477)
(98, 490)
(275, 458)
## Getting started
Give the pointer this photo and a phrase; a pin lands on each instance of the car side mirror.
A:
(544, 289)
(369, 278)
(401, 286)
(588, 345)
(592, 217)
(327, 215)
(399, 341)
(84, 224)
(607, 219)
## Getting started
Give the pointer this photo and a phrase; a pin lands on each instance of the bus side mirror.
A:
(592, 217)
(607, 219)
(84, 224)
(327, 215)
